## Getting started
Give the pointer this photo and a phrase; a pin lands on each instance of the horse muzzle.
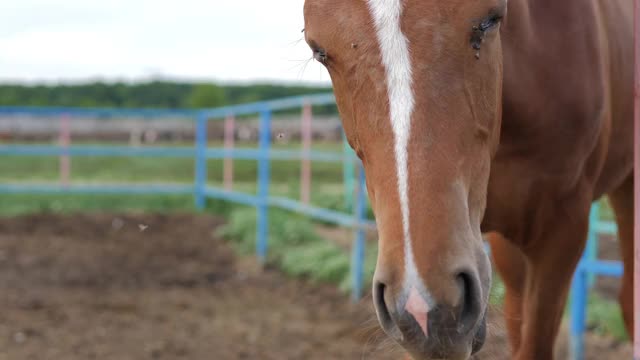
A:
(431, 330)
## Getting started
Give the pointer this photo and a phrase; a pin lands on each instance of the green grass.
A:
(496, 296)
(327, 188)
(606, 213)
(327, 181)
(604, 317)
(131, 169)
(295, 247)
(19, 204)
(138, 169)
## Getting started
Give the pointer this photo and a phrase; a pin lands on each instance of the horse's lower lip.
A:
(472, 343)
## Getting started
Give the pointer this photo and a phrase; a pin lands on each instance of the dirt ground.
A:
(105, 286)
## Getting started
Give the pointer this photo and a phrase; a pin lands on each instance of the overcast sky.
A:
(225, 40)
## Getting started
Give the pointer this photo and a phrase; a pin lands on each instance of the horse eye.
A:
(490, 22)
(320, 55)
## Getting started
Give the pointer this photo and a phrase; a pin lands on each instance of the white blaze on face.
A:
(394, 47)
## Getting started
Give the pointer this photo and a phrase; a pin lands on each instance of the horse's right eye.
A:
(320, 55)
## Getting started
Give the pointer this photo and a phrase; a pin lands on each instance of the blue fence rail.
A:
(262, 201)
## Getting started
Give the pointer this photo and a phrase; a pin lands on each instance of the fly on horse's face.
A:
(418, 84)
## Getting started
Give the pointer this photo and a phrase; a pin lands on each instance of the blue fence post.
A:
(263, 185)
(357, 262)
(582, 281)
(591, 251)
(579, 293)
(200, 161)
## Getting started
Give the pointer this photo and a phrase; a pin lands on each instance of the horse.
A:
(499, 117)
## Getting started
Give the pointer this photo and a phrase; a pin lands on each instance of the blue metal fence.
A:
(583, 279)
(201, 152)
(588, 267)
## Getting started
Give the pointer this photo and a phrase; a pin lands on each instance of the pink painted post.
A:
(305, 172)
(636, 262)
(229, 141)
(65, 141)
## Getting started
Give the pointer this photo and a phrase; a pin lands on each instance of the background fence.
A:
(353, 179)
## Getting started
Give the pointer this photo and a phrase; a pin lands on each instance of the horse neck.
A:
(528, 12)
(533, 28)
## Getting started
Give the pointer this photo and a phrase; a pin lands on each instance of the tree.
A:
(206, 95)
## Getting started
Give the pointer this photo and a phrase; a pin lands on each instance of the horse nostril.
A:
(470, 301)
(381, 307)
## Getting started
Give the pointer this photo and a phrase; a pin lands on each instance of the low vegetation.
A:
(151, 94)
(295, 247)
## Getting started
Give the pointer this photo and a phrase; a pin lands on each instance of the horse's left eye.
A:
(490, 22)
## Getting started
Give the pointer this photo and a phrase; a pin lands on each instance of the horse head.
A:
(418, 85)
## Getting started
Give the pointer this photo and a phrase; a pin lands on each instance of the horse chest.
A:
(547, 155)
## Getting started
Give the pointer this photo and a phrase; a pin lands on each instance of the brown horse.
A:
(482, 116)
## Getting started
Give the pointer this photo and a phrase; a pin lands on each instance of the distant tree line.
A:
(152, 94)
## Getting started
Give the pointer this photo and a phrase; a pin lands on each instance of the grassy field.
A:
(295, 245)
(141, 169)
(327, 184)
